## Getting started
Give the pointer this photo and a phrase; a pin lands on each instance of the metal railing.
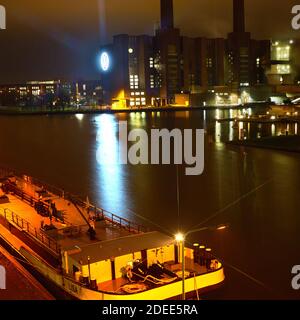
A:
(23, 224)
(111, 218)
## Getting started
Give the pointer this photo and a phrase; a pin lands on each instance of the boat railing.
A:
(23, 224)
(111, 218)
(107, 216)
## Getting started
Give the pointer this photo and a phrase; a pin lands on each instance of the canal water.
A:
(256, 191)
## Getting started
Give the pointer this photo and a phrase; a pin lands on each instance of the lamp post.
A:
(181, 238)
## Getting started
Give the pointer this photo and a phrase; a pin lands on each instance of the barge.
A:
(88, 253)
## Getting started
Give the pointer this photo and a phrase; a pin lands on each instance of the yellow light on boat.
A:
(222, 227)
(179, 237)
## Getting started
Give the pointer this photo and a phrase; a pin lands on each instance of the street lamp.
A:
(181, 238)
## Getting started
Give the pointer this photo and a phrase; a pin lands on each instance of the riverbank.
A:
(281, 143)
(92, 110)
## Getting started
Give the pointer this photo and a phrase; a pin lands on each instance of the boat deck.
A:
(70, 213)
(72, 232)
(115, 286)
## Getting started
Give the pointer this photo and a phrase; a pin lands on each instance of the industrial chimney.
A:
(167, 15)
(238, 16)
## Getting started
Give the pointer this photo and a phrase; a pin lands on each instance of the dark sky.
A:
(60, 38)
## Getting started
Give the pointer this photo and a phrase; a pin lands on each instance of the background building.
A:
(155, 70)
(52, 93)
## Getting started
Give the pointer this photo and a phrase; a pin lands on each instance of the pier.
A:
(20, 284)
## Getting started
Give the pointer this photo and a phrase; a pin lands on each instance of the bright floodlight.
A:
(104, 61)
(179, 237)
(222, 227)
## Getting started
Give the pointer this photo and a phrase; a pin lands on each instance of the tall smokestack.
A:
(238, 16)
(167, 15)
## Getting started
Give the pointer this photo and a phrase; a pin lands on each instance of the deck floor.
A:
(116, 285)
(104, 230)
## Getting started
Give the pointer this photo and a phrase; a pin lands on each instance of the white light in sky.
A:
(104, 61)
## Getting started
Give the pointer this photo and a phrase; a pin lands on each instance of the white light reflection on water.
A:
(241, 131)
(231, 130)
(111, 175)
(218, 132)
(79, 116)
(273, 130)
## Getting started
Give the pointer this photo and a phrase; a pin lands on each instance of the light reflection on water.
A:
(110, 174)
(242, 130)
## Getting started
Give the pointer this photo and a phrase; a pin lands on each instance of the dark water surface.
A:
(262, 244)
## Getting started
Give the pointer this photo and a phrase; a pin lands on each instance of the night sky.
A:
(49, 39)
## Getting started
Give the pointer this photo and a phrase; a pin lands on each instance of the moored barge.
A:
(90, 254)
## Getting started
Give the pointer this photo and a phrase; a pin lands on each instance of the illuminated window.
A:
(283, 69)
(134, 81)
(283, 53)
(209, 63)
(151, 61)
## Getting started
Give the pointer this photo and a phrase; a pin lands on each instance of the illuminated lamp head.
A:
(105, 61)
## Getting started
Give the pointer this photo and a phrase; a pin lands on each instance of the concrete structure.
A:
(152, 70)
(247, 58)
